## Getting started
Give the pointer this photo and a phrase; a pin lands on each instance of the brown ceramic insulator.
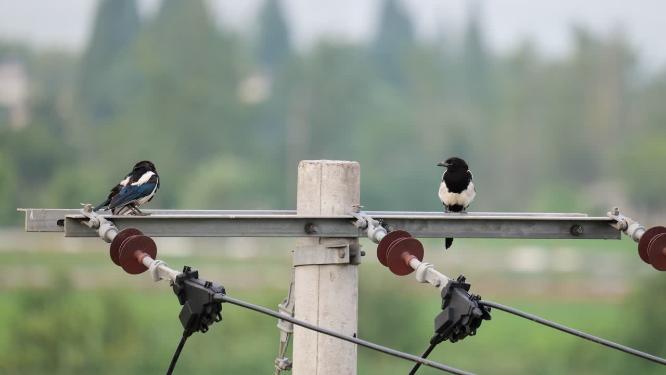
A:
(657, 252)
(133, 250)
(645, 241)
(386, 242)
(114, 249)
(399, 254)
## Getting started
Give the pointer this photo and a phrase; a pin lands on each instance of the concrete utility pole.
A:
(326, 270)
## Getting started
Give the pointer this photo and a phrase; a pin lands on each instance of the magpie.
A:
(456, 191)
(136, 189)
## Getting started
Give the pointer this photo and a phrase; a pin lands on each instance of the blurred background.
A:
(557, 106)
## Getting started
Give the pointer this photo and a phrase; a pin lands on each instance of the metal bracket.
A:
(374, 228)
(282, 362)
(332, 253)
(629, 226)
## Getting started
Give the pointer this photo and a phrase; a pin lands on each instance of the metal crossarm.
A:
(286, 223)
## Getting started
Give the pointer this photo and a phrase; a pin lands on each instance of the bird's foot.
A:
(137, 212)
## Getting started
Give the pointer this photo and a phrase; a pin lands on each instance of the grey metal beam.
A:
(249, 223)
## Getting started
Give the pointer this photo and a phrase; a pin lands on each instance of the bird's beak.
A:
(442, 164)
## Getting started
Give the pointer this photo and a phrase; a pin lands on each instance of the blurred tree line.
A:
(226, 117)
(63, 330)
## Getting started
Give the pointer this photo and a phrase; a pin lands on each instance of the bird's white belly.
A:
(463, 198)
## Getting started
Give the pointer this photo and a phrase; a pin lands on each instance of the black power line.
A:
(574, 332)
(355, 340)
(174, 359)
(424, 356)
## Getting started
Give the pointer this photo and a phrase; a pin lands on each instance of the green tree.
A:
(392, 42)
(8, 189)
(644, 180)
(61, 331)
(274, 41)
(475, 58)
(105, 79)
(189, 107)
(228, 183)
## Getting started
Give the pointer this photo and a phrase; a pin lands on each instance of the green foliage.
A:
(76, 185)
(35, 160)
(60, 331)
(105, 78)
(274, 42)
(66, 328)
(539, 133)
(645, 312)
(8, 188)
(394, 38)
(643, 178)
(190, 103)
(221, 183)
(640, 325)
(475, 58)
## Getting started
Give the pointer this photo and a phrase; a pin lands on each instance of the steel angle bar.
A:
(277, 223)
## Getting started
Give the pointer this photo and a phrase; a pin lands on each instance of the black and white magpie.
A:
(136, 189)
(456, 191)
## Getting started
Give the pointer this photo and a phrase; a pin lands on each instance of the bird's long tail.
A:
(448, 242)
(102, 205)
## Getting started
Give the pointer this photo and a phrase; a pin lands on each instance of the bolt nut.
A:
(311, 228)
(576, 230)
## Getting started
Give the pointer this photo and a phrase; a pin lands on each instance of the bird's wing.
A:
(131, 193)
(116, 189)
(470, 180)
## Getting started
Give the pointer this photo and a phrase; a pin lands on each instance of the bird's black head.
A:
(454, 164)
(145, 165)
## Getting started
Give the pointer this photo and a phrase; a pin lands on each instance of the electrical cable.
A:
(574, 332)
(355, 340)
(176, 354)
(424, 356)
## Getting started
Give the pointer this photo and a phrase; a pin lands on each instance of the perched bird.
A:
(456, 191)
(136, 189)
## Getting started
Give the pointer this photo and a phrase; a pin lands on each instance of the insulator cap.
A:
(386, 242)
(114, 249)
(400, 252)
(132, 252)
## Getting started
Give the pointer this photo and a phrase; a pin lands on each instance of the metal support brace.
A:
(105, 229)
(335, 252)
(282, 362)
(373, 228)
(629, 226)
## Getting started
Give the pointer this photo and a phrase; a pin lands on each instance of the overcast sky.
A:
(66, 23)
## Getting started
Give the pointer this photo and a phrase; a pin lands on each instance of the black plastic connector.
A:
(200, 309)
(461, 313)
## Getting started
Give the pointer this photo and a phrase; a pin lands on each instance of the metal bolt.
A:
(576, 230)
(362, 253)
(311, 228)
